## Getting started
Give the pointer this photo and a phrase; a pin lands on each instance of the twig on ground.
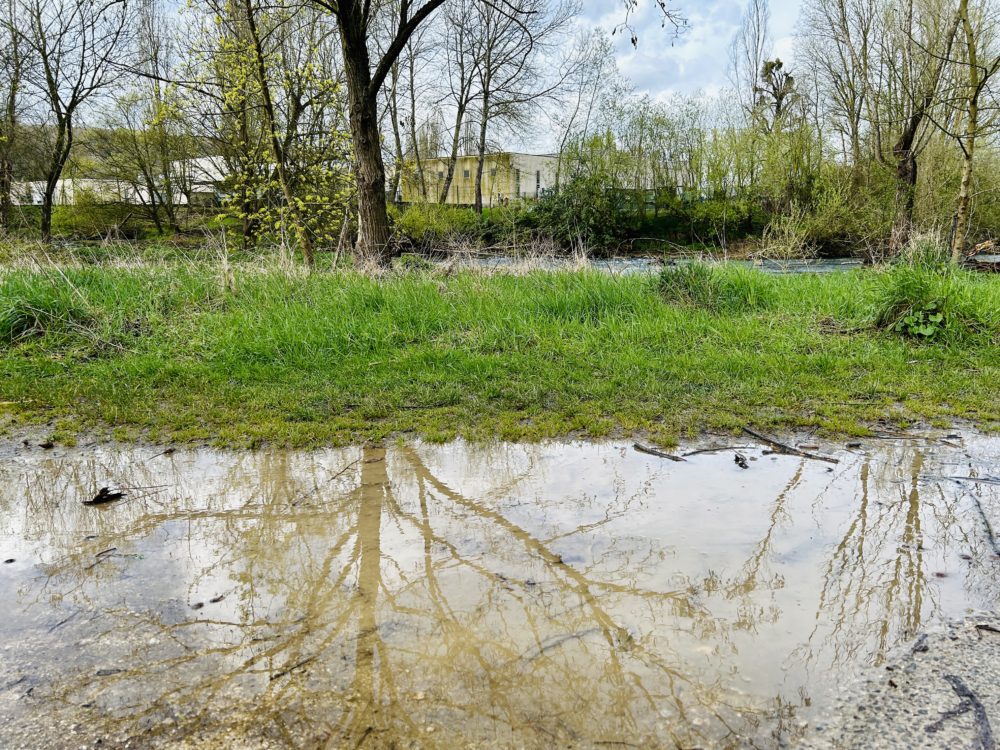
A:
(969, 702)
(782, 448)
(654, 452)
(718, 449)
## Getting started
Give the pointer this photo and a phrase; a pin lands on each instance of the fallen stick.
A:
(782, 448)
(969, 702)
(654, 452)
(344, 469)
(717, 449)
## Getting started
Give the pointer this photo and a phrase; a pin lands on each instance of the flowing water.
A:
(641, 265)
(550, 595)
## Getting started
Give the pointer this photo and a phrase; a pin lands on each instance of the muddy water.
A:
(558, 595)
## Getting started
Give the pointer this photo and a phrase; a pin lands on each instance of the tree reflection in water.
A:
(532, 595)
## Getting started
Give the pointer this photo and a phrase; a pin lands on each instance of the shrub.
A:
(90, 219)
(425, 225)
(586, 211)
(730, 289)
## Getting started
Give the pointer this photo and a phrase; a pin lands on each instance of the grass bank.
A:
(185, 352)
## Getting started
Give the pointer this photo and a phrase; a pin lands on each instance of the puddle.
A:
(571, 595)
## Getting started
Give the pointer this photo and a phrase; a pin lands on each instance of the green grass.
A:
(169, 352)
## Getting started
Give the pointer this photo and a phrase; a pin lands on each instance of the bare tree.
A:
(914, 56)
(748, 52)
(839, 36)
(592, 81)
(75, 45)
(510, 57)
(461, 72)
(145, 133)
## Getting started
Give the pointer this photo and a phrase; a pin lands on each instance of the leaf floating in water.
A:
(108, 672)
(216, 599)
(740, 460)
(197, 605)
(8, 561)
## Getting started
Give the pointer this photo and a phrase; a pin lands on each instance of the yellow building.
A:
(506, 176)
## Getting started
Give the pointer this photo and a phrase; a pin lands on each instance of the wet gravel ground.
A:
(940, 691)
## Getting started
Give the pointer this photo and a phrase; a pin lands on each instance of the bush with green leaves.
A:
(426, 225)
(587, 211)
(90, 219)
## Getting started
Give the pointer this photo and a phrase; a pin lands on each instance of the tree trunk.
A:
(906, 188)
(456, 138)
(397, 172)
(64, 144)
(413, 128)
(373, 218)
(481, 152)
(960, 236)
(6, 184)
(8, 135)
(906, 157)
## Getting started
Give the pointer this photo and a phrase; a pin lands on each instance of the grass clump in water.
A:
(732, 289)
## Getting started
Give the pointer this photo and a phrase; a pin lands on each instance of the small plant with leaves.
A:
(927, 322)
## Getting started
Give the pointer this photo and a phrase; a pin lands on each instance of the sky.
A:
(697, 61)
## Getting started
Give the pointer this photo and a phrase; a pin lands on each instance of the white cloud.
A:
(661, 64)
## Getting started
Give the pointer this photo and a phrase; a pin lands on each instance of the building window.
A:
(465, 174)
(538, 182)
(440, 175)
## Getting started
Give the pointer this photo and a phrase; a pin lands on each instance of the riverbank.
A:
(245, 355)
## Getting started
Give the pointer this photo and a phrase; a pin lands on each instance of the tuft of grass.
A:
(730, 289)
(927, 303)
(29, 309)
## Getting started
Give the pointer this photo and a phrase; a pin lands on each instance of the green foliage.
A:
(587, 211)
(90, 219)
(730, 289)
(928, 303)
(426, 225)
